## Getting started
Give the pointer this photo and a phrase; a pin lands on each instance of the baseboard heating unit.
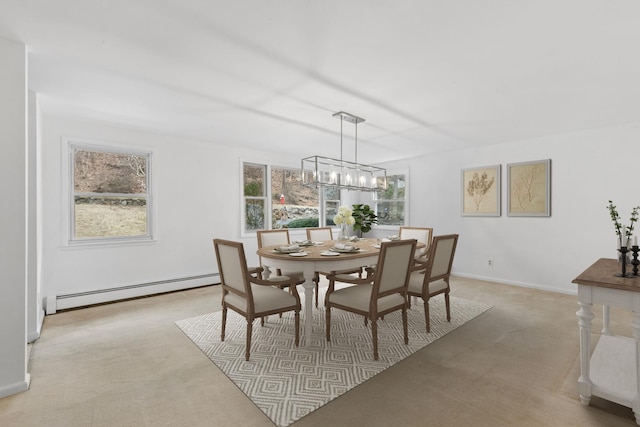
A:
(54, 303)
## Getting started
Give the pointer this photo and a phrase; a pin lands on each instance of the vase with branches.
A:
(623, 233)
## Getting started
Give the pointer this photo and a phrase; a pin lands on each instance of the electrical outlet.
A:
(490, 263)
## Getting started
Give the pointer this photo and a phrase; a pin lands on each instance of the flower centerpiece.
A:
(624, 233)
(344, 218)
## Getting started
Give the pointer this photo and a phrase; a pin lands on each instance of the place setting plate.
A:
(345, 251)
(287, 250)
(298, 254)
(329, 253)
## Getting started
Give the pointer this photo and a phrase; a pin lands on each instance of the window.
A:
(110, 194)
(255, 196)
(292, 204)
(331, 204)
(390, 202)
(274, 197)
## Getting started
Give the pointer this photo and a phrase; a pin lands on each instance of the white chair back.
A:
(421, 234)
(273, 237)
(320, 234)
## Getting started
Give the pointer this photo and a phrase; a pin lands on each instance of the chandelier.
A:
(319, 171)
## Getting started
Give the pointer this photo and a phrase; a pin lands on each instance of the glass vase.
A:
(628, 254)
(343, 235)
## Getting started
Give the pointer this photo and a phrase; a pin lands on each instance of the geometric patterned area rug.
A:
(288, 382)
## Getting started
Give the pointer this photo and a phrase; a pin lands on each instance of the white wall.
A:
(35, 313)
(13, 218)
(197, 197)
(588, 169)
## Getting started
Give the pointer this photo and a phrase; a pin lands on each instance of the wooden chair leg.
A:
(447, 303)
(297, 323)
(374, 333)
(405, 326)
(249, 330)
(426, 315)
(224, 323)
(328, 323)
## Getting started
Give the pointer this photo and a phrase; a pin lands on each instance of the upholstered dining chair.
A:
(324, 234)
(276, 237)
(431, 277)
(251, 296)
(421, 234)
(320, 234)
(382, 291)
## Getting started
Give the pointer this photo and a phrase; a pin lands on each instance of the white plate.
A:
(377, 246)
(345, 251)
(298, 254)
(327, 253)
(286, 251)
(318, 243)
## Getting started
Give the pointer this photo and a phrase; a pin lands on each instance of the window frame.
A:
(269, 198)
(70, 147)
(243, 198)
(406, 219)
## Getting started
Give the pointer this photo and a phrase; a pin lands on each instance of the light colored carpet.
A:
(288, 382)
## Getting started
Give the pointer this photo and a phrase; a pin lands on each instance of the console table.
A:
(612, 372)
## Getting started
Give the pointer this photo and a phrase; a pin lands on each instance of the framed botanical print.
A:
(529, 192)
(481, 191)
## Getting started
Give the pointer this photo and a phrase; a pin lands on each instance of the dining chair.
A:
(421, 234)
(431, 277)
(276, 237)
(324, 234)
(251, 296)
(320, 234)
(382, 291)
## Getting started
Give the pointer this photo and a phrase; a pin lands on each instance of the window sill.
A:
(92, 244)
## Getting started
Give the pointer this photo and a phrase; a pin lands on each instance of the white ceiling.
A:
(427, 75)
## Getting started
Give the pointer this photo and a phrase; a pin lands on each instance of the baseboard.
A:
(33, 336)
(519, 284)
(81, 299)
(16, 388)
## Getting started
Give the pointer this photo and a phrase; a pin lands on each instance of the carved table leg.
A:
(605, 320)
(309, 288)
(584, 320)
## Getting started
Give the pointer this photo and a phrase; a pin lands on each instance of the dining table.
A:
(327, 256)
(318, 256)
